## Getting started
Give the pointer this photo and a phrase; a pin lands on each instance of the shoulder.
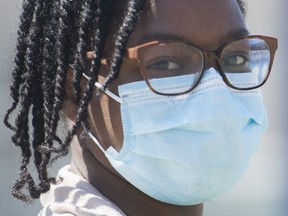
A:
(73, 195)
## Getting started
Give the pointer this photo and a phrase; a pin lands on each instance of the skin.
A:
(205, 23)
(210, 26)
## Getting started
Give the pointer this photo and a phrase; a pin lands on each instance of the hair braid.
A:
(101, 24)
(87, 23)
(42, 123)
(23, 31)
(127, 27)
(49, 71)
(66, 38)
(63, 48)
(38, 135)
(31, 68)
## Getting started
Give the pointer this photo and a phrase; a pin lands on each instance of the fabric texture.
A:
(73, 195)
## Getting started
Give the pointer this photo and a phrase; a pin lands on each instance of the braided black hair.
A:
(52, 36)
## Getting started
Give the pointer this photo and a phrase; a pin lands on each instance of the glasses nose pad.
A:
(211, 62)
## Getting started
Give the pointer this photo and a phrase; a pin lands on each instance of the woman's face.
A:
(205, 23)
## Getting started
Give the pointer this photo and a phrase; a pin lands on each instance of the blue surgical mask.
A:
(191, 148)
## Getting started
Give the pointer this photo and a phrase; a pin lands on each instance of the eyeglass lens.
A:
(244, 63)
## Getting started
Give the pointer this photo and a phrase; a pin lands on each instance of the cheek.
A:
(130, 72)
(105, 113)
(113, 122)
(106, 121)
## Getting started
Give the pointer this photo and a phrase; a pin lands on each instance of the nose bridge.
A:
(211, 61)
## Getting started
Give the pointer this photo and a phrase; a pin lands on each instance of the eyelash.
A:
(164, 60)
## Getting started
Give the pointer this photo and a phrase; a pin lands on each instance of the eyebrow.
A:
(164, 36)
(159, 36)
(238, 33)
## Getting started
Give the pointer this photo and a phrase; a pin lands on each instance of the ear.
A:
(69, 108)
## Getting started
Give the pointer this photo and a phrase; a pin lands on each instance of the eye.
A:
(164, 65)
(235, 59)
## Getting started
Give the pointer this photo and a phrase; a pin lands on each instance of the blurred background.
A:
(263, 189)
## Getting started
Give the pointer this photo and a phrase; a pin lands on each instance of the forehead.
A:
(206, 23)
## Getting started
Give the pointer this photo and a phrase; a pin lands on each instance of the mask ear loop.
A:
(110, 94)
(90, 56)
(92, 137)
(110, 151)
(106, 91)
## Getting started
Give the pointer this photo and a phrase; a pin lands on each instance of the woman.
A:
(162, 95)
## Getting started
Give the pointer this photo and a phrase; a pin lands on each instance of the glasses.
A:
(244, 63)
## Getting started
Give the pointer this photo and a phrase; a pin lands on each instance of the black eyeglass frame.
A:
(132, 53)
